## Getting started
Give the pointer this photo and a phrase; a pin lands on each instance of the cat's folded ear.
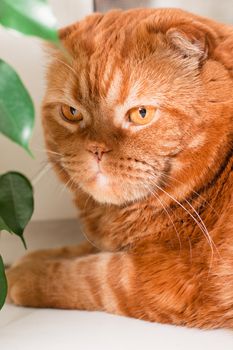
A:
(224, 53)
(193, 40)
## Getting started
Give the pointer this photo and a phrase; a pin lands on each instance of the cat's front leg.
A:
(157, 286)
(93, 282)
(80, 283)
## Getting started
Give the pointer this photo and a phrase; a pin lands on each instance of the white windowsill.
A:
(26, 329)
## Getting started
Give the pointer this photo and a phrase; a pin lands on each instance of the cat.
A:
(137, 119)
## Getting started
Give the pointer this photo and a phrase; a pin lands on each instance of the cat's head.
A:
(137, 105)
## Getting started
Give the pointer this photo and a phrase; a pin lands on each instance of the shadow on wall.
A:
(219, 10)
(105, 5)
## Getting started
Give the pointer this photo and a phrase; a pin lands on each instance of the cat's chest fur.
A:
(115, 228)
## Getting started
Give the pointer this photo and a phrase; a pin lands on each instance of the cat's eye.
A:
(142, 115)
(71, 114)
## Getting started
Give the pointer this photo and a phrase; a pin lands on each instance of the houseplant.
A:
(28, 17)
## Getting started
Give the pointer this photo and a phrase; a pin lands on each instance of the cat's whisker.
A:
(166, 211)
(45, 150)
(65, 186)
(181, 183)
(88, 239)
(74, 162)
(191, 208)
(69, 67)
(62, 186)
(44, 162)
(200, 224)
(192, 191)
(210, 238)
(55, 90)
(173, 198)
(88, 198)
(69, 169)
(71, 181)
(44, 171)
(41, 173)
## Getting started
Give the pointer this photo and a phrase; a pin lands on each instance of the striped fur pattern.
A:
(157, 207)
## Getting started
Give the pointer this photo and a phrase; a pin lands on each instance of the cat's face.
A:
(131, 110)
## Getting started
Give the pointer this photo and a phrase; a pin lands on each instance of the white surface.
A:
(26, 56)
(27, 329)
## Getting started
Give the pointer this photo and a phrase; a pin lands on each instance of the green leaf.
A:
(3, 225)
(30, 17)
(16, 107)
(3, 284)
(16, 202)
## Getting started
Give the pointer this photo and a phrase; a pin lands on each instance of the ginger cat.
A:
(138, 122)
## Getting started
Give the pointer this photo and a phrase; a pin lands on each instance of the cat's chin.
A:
(102, 190)
(105, 191)
(110, 198)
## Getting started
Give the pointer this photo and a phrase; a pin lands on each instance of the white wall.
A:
(25, 55)
(219, 10)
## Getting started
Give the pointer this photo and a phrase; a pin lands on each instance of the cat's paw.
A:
(23, 284)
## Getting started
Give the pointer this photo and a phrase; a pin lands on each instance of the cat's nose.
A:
(98, 150)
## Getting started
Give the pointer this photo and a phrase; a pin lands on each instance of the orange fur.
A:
(158, 205)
